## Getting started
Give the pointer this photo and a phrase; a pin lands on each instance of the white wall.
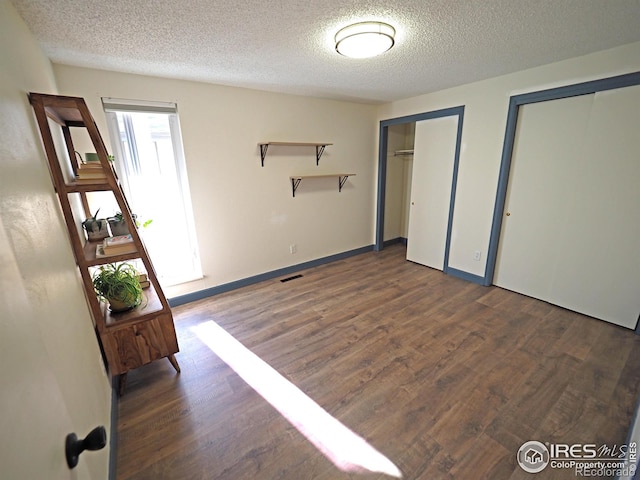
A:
(52, 378)
(246, 217)
(485, 118)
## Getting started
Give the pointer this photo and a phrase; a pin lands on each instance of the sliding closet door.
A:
(599, 271)
(543, 166)
(433, 161)
(572, 213)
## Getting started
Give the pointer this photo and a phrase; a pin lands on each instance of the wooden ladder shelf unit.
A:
(129, 339)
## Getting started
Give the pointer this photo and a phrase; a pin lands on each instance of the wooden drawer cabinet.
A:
(138, 344)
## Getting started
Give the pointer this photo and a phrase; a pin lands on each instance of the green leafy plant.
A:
(119, 284)
(119, 225)
(92, 223)
(118, 218)
(145, 224)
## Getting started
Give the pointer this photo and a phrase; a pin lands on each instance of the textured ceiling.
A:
(287, 45)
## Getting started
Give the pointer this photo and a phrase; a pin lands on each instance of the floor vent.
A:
(290, 278)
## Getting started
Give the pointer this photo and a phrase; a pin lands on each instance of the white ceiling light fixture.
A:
(365, 39)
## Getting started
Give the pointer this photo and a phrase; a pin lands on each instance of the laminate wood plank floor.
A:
(444, 377)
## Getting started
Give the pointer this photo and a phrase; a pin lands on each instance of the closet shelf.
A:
(342, 178)
(264, 146)
(402, 153)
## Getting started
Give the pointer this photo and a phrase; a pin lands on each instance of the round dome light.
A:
(365, 39)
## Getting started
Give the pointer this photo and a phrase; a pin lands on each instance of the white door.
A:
(537, 204)
(433, 160)
(572, 212)
(34, 416)
(151, 165)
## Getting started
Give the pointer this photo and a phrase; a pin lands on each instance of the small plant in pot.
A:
(119, 225)
(96, 227)
(118, 284)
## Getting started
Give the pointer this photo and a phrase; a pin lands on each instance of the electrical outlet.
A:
(293, 248)
(477, 255)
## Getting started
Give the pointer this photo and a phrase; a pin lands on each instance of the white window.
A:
(150, 163)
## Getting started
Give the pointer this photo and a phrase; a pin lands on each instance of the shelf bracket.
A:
(294, 185)
(319, 152)
(341, 182)
(263, 152)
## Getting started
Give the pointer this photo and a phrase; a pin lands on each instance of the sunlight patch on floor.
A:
(348, 451)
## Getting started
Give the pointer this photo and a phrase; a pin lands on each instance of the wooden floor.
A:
(444, 377)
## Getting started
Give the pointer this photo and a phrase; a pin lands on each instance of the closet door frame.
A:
(515, 102)
(382, 171)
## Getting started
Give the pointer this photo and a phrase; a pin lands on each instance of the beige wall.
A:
(245, 215)
(485, 119)
(246, 218)
(52, 378)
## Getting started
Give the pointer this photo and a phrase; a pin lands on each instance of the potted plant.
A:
(119, 225)
(118, 284)
(96, 227)
(92, 157)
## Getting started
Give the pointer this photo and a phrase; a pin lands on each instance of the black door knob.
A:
(96, 440)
